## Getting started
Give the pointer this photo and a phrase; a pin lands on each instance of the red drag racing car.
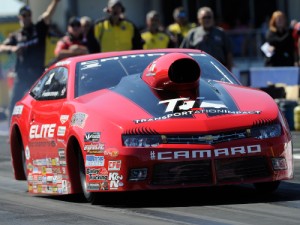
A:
(146, 120)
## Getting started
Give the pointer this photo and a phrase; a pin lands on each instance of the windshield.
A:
(104, 73)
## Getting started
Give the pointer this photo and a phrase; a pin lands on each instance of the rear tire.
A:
(24, 165)
(267, 187)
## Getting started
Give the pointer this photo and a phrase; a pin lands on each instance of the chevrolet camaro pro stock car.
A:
(146, 120)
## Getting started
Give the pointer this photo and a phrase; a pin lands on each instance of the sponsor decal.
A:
(186, 104)
(115, 180)
(42, 131)
(92, 160)
(61, 153)
(131, 56)
(64, 118)
(111, 152)
(54, 179)
(30, 177)
(204, 154)
(151, 71)
(97, 177)
(50, 93)
(27, 153)
(92, 136)
(36, 170)
(18, 109)
(48, 170)
(61, 131)
(114, 165)
(36, 177)
(79, 119)
(183, 107)
(55, 189)
(40, 162)
(56, 170)
(99, 147)
(92, 171)
(49, 179)
(43, 170)
(93, 186)
(43, 179)
(66, 62)
(55, 162)
(29, 166)
(64, 186)
(97, 186)
(63, 163)
(104, 185)
(101, 171)
(42, 144)
(90, 64)
(192, 112)
(63, 91)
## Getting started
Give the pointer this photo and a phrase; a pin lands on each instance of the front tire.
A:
(91, 197)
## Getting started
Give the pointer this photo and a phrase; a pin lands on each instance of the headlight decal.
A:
(267, 131)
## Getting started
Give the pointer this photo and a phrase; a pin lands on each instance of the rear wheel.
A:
(24, 166)
(267, 187)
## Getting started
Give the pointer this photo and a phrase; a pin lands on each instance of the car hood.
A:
(170, 95)
(219, 106)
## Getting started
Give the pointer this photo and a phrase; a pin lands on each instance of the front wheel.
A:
(267, 187)
(91, 197)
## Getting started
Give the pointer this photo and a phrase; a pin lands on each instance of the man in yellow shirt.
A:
(154, 37)
(181, 26)
(115, 33)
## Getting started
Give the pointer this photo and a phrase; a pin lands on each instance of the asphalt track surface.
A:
(213, 206)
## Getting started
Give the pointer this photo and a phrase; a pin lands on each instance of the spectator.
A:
(29, 45)
(88, 34)
(115, 33)
(72, 43)
(209, 38)
(280, 39)
(295, 25)
(181, 26)
(153, 36)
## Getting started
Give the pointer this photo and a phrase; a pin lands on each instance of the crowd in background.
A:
(117, 33)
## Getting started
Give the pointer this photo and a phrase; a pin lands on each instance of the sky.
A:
(10, 7)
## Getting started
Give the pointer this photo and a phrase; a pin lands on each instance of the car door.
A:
(45, 118)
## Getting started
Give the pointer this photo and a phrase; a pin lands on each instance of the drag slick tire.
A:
(24, 165)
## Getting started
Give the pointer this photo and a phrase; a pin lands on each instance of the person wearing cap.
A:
(72, 43)
(154, 36)
(29, 45)
(210, 38)
(89, 39)
(181, 26)
(115, 33)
